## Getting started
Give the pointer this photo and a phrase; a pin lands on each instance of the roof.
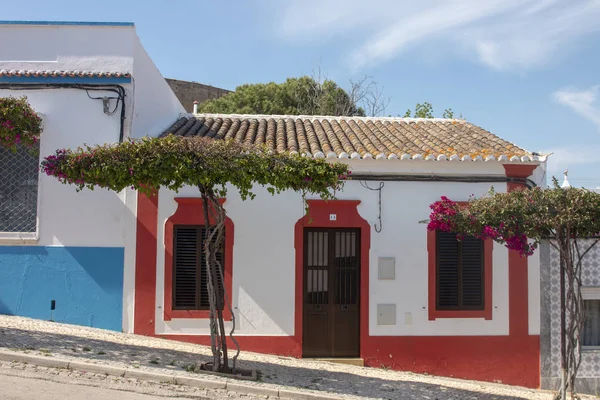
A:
(430, 139)
(67, 23)
(63, 73)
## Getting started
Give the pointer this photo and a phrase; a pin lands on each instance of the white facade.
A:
(72, 119)
(264, 254)
(83, 255)
(76, 229)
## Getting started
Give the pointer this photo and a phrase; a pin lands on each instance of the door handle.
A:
(344, 307)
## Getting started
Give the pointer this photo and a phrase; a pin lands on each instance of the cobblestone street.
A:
(151, 354)
(41, 383)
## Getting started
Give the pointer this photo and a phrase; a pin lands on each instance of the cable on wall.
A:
(444, 178)
(118, 90)
(378, 190)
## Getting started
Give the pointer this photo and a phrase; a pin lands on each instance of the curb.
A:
(237, 387)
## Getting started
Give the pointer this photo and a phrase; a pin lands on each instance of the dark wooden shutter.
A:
(203, 301)
(190, 279)
(185, 270)
(472, 273)
(447, 270)
(459, 272)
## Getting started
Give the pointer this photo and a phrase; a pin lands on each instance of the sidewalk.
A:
(143, 354)
(20, 381)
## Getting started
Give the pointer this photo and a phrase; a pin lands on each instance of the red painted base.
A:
(484, 358)
(512, 359)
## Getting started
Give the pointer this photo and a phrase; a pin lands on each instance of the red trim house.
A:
(358, 277)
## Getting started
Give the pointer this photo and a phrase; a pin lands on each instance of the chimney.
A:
(195, 107)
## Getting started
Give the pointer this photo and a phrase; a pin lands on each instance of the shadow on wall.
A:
(391, 386)
(4, 310)
(76, 285)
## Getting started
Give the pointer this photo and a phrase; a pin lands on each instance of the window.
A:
(591, 328)
(459, 272)
(190, 277)
(18, 191)
(185, 292)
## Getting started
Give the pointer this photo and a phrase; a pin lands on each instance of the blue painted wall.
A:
(85, 282)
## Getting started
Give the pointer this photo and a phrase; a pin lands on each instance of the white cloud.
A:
(583, 102)
(579, 159)
(503, 34)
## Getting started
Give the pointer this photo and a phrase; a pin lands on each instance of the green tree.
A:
(212, 166)
(425, 110)
(296, 96)
(521, 219)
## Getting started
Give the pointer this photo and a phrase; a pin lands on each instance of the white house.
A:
(359, 277)
(93, 83)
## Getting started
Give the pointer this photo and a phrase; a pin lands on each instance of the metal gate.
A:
(331, 293)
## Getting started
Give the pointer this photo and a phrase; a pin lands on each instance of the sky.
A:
(526, 70)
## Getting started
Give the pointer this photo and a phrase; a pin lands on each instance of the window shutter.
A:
(190, 278)
(447, 270)
(204, 302)
(460, 268)
(185, 267)
(472, 272)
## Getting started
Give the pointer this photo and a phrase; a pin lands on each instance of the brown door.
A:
(331, 293)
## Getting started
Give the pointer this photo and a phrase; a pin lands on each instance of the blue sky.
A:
(526, 70)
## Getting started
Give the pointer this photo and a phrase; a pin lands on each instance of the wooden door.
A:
(331, 293)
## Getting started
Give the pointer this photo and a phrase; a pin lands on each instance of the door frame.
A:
(346, 216)
(332, 282)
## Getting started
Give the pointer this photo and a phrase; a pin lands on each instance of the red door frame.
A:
(346, 216)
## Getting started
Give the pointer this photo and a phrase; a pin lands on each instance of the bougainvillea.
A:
(173, 162)
(449, 216)
(520, 220)
(210, 165)
(19, 123)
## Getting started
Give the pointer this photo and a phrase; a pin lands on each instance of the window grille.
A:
(19, 172)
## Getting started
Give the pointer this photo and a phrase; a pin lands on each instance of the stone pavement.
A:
(20, 381)
(171, 357)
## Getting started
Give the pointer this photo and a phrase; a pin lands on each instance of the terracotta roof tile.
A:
(357, 137)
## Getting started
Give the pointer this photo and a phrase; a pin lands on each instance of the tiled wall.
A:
(589, 371)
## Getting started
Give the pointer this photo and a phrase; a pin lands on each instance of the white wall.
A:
(156, 106)
(68, 218)
(99, 217)
(264, 255)
(64, 47)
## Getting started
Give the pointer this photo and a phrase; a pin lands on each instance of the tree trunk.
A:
(563, 347)
(210, 285)
(214, 216)
(571, 307)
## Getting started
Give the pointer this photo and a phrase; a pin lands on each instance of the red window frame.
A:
(434, 313)
(190, 212)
